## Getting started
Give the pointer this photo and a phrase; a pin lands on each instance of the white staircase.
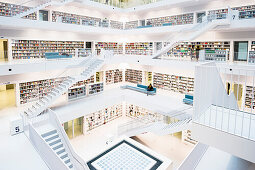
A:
(42, 6)
(208, 22)
(52, 138)
(165, 129)
(38, 107)
(136, 127)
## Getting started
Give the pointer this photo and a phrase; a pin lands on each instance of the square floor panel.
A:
(124, 155)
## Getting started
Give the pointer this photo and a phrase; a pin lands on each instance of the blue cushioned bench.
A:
(167, 24)
(188, 99)
(56, 55)
(140, 88)
(146, 26)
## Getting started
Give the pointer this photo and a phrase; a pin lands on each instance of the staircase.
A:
(41, 105)
(42, 6)
(52, 138)
(165, 129)
(136, 127)
(208, 22)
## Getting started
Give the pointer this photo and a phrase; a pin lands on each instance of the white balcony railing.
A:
(225, 98)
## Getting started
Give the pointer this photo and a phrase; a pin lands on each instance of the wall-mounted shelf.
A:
(32, 49)
(184, 85)
(35, 90)
(96, 88)
(139, 48)
(133, 76)
(102, 117)
(113, 76)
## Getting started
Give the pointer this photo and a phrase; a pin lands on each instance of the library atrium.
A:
(127, 84)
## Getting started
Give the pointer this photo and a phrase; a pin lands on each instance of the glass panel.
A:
(241, 50)
(68, 126)
(78, 126)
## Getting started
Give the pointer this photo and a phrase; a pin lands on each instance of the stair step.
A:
(59, 145)
(70, 165)
(49, 133)
(66, 160)
(56, 141)
(60, 150)
(63, 155)
(51, 137)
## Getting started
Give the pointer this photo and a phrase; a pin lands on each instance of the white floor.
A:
(163, 103)
(92, 144)
(235, 122)
(17, 153)
(215, 159)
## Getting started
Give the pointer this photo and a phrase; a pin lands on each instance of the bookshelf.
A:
(133, 76)
(253, 45)
(187, 50)
(76, 92)
(90, 21)
(96, 88)
(116, 24)
(180, 84)
(83, 52)
(35, 90)
(219, 13)
(139, 48)
(187, 138)
(116, 47)
(113, 76)
(102, 117)
(246, 12)
(216, 55)
(131, 25)
(171, 20)
(9, 10)
(34, 49)
(251, 57)
(249, 97)
(84, 82)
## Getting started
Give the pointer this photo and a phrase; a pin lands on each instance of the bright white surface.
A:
(126, 157)
(17, 153)
(235, 122)
(166, 162)
(216, 159)
(160, 103)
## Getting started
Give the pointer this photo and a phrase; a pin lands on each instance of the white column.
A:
(17, 94)
(10, 58)
(231, 52)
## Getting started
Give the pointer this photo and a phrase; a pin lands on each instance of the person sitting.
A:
(149, 88)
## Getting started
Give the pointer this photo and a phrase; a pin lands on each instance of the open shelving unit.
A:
(95, 88)
(9, 10)
(76, 92)
(246, 12)
(113, 76)
(139, 48)
(187, 50)
(35, 90)
(250, 97)
(83, 52)
(186, 137)
(32, 49)
(220, 13)
(180, 84)
(133, 76)
(85, 82)
(116, 47)
(102, 117)
(171, 20)
(131, 24)
(116, 24)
